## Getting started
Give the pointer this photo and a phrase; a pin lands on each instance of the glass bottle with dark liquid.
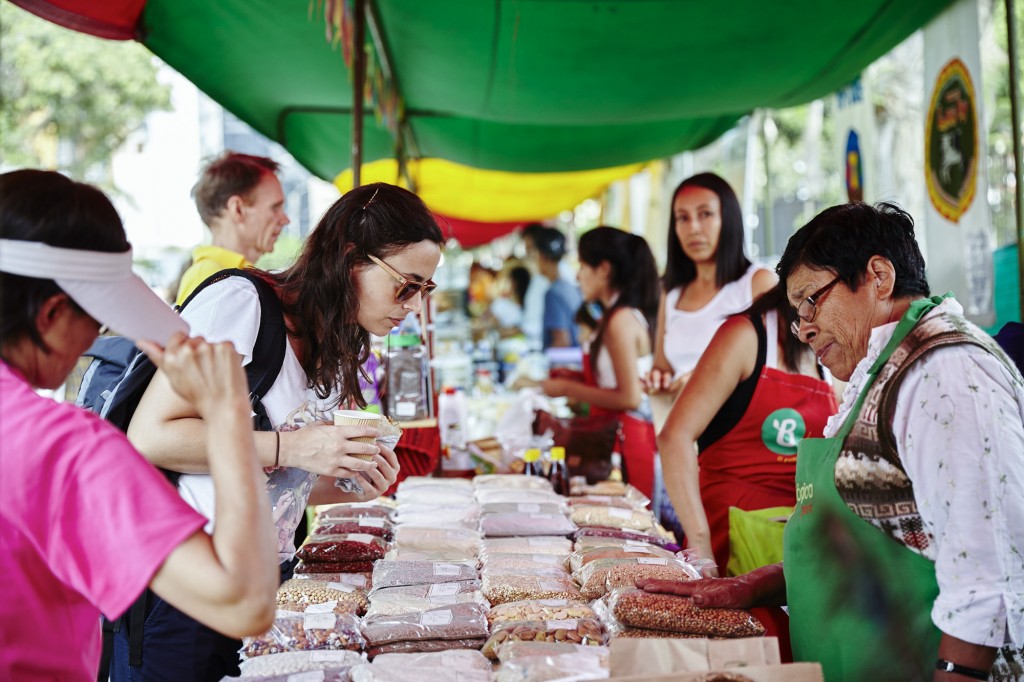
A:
(559, 472)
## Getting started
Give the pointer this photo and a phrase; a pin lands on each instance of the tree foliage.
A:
(69, 100)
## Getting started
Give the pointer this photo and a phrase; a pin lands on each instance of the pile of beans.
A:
(501, 588)
(538, 609)
(303, 661)
(626, 575)
(423, 645)
(586, 631)
(316, 592)
(639, 609)
(343, 547)
(306, 632)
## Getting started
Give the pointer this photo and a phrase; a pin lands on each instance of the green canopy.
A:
(529, 85)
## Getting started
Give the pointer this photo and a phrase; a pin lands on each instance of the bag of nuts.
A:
(458, 660)
(501, 586)
(612, 517)
(381, 528)
(425, 645)
(580, 558)
(304, 568)
(406, 604)
(342, 547)
(306, 632)
(593, 578)
(586, 631)
(360, 581)
(639, 609)
(538, 544)
(524, 562)
(538, 609)
(638, 536)
(289, 663)
(375, 510)
(296, 591)
(626, 575)
(454, 621)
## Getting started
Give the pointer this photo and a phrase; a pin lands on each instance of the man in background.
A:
(562, 299)
(240, 199)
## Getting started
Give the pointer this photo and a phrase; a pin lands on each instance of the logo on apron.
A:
(782, 431)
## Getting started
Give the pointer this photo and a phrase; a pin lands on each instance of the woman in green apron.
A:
(903, 558)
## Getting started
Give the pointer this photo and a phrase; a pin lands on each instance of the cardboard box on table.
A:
(692, 660)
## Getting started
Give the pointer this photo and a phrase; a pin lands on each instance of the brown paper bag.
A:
(790, 672)
(656, 656)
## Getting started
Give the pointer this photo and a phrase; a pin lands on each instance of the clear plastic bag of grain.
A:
(396, 573)
(444, 516)
(612, 517)
(593, 577)
(570, 662)
(372, 673)
(538, 544)
(582, 557)
(626, 575)
(464, 660)
(427, 590)
(524, 562)
(338, 607)
(360, 581)
(635, 608)
(406, 604)
(309, 631)
(505, 585)
(463, 542)
(558, 507)
(292, 662)
(360, 510)
(455, 621)
(515, 523)
(587, 542)
(425, 645)
(585, 631)
(652, 538)
(342, 547)
(513, 481)
(380, 527)
(538, 609)
(505, 495)
(602, 501)
(297, 591)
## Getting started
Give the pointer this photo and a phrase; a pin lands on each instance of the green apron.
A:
(859, 602)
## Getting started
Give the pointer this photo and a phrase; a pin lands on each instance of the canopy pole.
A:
(358, 84)
(1018, 159)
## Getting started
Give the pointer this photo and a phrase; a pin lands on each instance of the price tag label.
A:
(551, 586)
(542, 517)
(319, 621)
(638, 549)
(353, 579)
(327, 656)
(443, 600)
(326, 607)
(436, 618)
(528, 507)
(555, 603)
(443, 590)
(619, 513)
(653, 561)
(544, 540)
(341, 587)
(546, 559)
(405, 409)
(364, 538)
(371, 522)
(561, 624)
(447, 569)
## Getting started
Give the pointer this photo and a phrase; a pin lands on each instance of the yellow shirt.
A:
(206, 260)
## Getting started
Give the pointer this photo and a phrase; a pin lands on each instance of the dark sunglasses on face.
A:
(409, 287)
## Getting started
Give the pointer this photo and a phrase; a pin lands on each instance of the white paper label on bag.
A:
(528, 507)
(444, 590)
(619, 513)
(436, 618)
(319, 621)
(326, 607)
(553, 602)
(447, 569)
(444, 599)
(353, 579)
(551, 586)
(341, 587)
(542, 517)
(544, 540)
(371, 522)
(364, 538)
(546, 559)
(653, 561)
(405, 408)
(331, 656)
(639, 549)
(561, 624)
(308, 676)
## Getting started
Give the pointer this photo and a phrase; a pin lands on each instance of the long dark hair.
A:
(730, 261)
(775, 299)
(45, 206)
(634, 275)
(320, 294)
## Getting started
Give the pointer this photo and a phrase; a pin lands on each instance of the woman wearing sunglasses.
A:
(366, 266)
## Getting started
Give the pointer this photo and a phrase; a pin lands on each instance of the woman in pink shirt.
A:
(72, 488)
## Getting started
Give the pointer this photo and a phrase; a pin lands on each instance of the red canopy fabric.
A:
(470, 233)
(112, 19)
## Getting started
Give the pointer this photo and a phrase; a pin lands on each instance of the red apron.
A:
(753, 466)
(638, 444)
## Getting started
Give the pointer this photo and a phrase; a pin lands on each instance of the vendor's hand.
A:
(323, 448)
(657, 380)
(710, 593)
(555, 388)
(207, 375)
(375, 482)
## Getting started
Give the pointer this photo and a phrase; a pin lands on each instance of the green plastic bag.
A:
(755, 538)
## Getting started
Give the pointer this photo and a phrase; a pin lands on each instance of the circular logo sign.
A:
(782, 430)
(854, 168)
(951, 142)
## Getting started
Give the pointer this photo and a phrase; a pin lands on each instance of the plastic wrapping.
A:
(288, 488)
(602, 501)
(523, 508)
(360, 581)
(612, 517)
(343, 547)
(538, 544)
(457, 659)
(426, 590)
(580, 558)
(575, 664)
(516, 523)
(422, 645)
(450, 516)
(373, 673)
(312, 630)
(370, 525)
(300, 661)
(395, 573)
(515, 481)
(433, 495)
(501, 586)
(593, 577)
(453, 542)
(584, 543)
(538, 609)
(526, 563)
(585, 631)
(510, 496)
(359, 567)
(623, 534)
(406, 604)
(414, 482)
(316, 592)
(338, 607)
(363, 510)
(455, 621)
(332, 675)
(639, 609)
(626, 575)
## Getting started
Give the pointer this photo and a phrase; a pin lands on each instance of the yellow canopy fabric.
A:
(492, 196)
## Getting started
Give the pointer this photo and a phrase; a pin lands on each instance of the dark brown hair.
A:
(230, 174)
(320, 293)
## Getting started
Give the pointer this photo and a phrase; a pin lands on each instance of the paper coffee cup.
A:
(355, 418)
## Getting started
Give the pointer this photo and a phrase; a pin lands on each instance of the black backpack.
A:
(117, 377)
